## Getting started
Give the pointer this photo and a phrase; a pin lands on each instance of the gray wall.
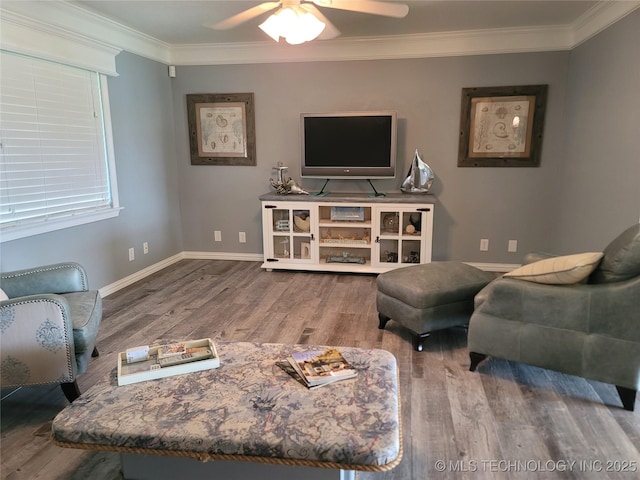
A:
(599, 188)
(556, 207)
(143, 134)
(473, 203)
(586, 189)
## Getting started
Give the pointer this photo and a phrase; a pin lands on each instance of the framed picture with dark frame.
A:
(221, 128)
(502, 126)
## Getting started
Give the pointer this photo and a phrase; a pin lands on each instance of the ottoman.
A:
(429, 297)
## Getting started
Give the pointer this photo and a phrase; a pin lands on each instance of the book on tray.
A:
(319, 367)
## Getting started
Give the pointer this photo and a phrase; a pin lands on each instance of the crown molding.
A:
(75, 20)
(600, 17)
(477, 42)
(28, 36)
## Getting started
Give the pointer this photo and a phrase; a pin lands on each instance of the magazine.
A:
(171, 350)
(319, 367)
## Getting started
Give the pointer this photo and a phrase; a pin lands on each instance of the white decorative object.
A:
(137, 354)
(303, 224)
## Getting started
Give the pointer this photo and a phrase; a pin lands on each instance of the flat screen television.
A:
(348, 144)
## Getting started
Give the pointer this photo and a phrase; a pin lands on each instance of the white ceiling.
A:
(184, 22)
(176, 32)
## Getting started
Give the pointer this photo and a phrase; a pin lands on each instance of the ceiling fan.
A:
(300, 20)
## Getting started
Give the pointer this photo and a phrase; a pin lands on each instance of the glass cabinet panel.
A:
(291, 235)
(389, 223)
(388, 251)
(410, 251)
(400, 239)
(281, 246)
(281, 220)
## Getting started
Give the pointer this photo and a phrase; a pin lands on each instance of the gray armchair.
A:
(49, 326)
(590, 329)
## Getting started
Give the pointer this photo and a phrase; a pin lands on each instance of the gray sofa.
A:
(590, 329)
(49, 326)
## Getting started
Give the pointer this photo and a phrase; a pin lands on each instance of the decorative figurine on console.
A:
(420, 176)
(285, 185)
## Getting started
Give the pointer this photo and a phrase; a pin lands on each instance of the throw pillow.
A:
(621, 258)
(563, 270)
(3, 296)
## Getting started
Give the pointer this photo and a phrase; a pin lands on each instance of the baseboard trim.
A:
(495, 267)
(140, 275)
(243, 257)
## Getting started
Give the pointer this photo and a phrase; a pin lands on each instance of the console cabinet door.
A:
(403, 235)
(289, 234)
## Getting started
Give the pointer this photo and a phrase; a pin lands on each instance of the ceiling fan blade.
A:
(387, 9)
(330, 31)
(244, 16)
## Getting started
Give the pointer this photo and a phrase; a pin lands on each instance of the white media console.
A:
(346, 232)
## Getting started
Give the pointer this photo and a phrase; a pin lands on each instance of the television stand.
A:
(322, 193)
(375, 192)
(346, 232)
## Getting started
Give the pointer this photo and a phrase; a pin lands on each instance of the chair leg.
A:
(383, 321)
(95, 352)
(70, 390)
(628, 397)
(476, 358)
(419, 340)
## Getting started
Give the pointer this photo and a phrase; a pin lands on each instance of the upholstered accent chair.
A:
(590, 329)
(49, 322)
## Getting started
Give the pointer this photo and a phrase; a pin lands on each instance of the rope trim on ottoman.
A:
(204, 457)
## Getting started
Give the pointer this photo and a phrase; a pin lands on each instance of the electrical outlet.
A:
(145, 247)
(484, 245)
(217, 236)
(513, 246)
(242, 237)
(132, 254)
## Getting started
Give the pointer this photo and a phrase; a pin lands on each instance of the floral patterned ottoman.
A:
(247, 410)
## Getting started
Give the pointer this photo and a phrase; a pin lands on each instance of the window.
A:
(56, 156)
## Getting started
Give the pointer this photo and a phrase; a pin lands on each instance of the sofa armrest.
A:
(37, 341)
(57, 278)
(589, 330)
(608, 309)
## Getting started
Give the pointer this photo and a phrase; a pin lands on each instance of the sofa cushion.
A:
(621, 258)
(563, 270)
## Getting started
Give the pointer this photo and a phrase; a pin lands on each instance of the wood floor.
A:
(504, 421)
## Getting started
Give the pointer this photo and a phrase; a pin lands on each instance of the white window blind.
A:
(55, 167)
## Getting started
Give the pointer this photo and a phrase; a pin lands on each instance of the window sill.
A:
(16, 232)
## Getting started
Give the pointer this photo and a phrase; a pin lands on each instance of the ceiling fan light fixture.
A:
(271, 26)
(295, 25)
